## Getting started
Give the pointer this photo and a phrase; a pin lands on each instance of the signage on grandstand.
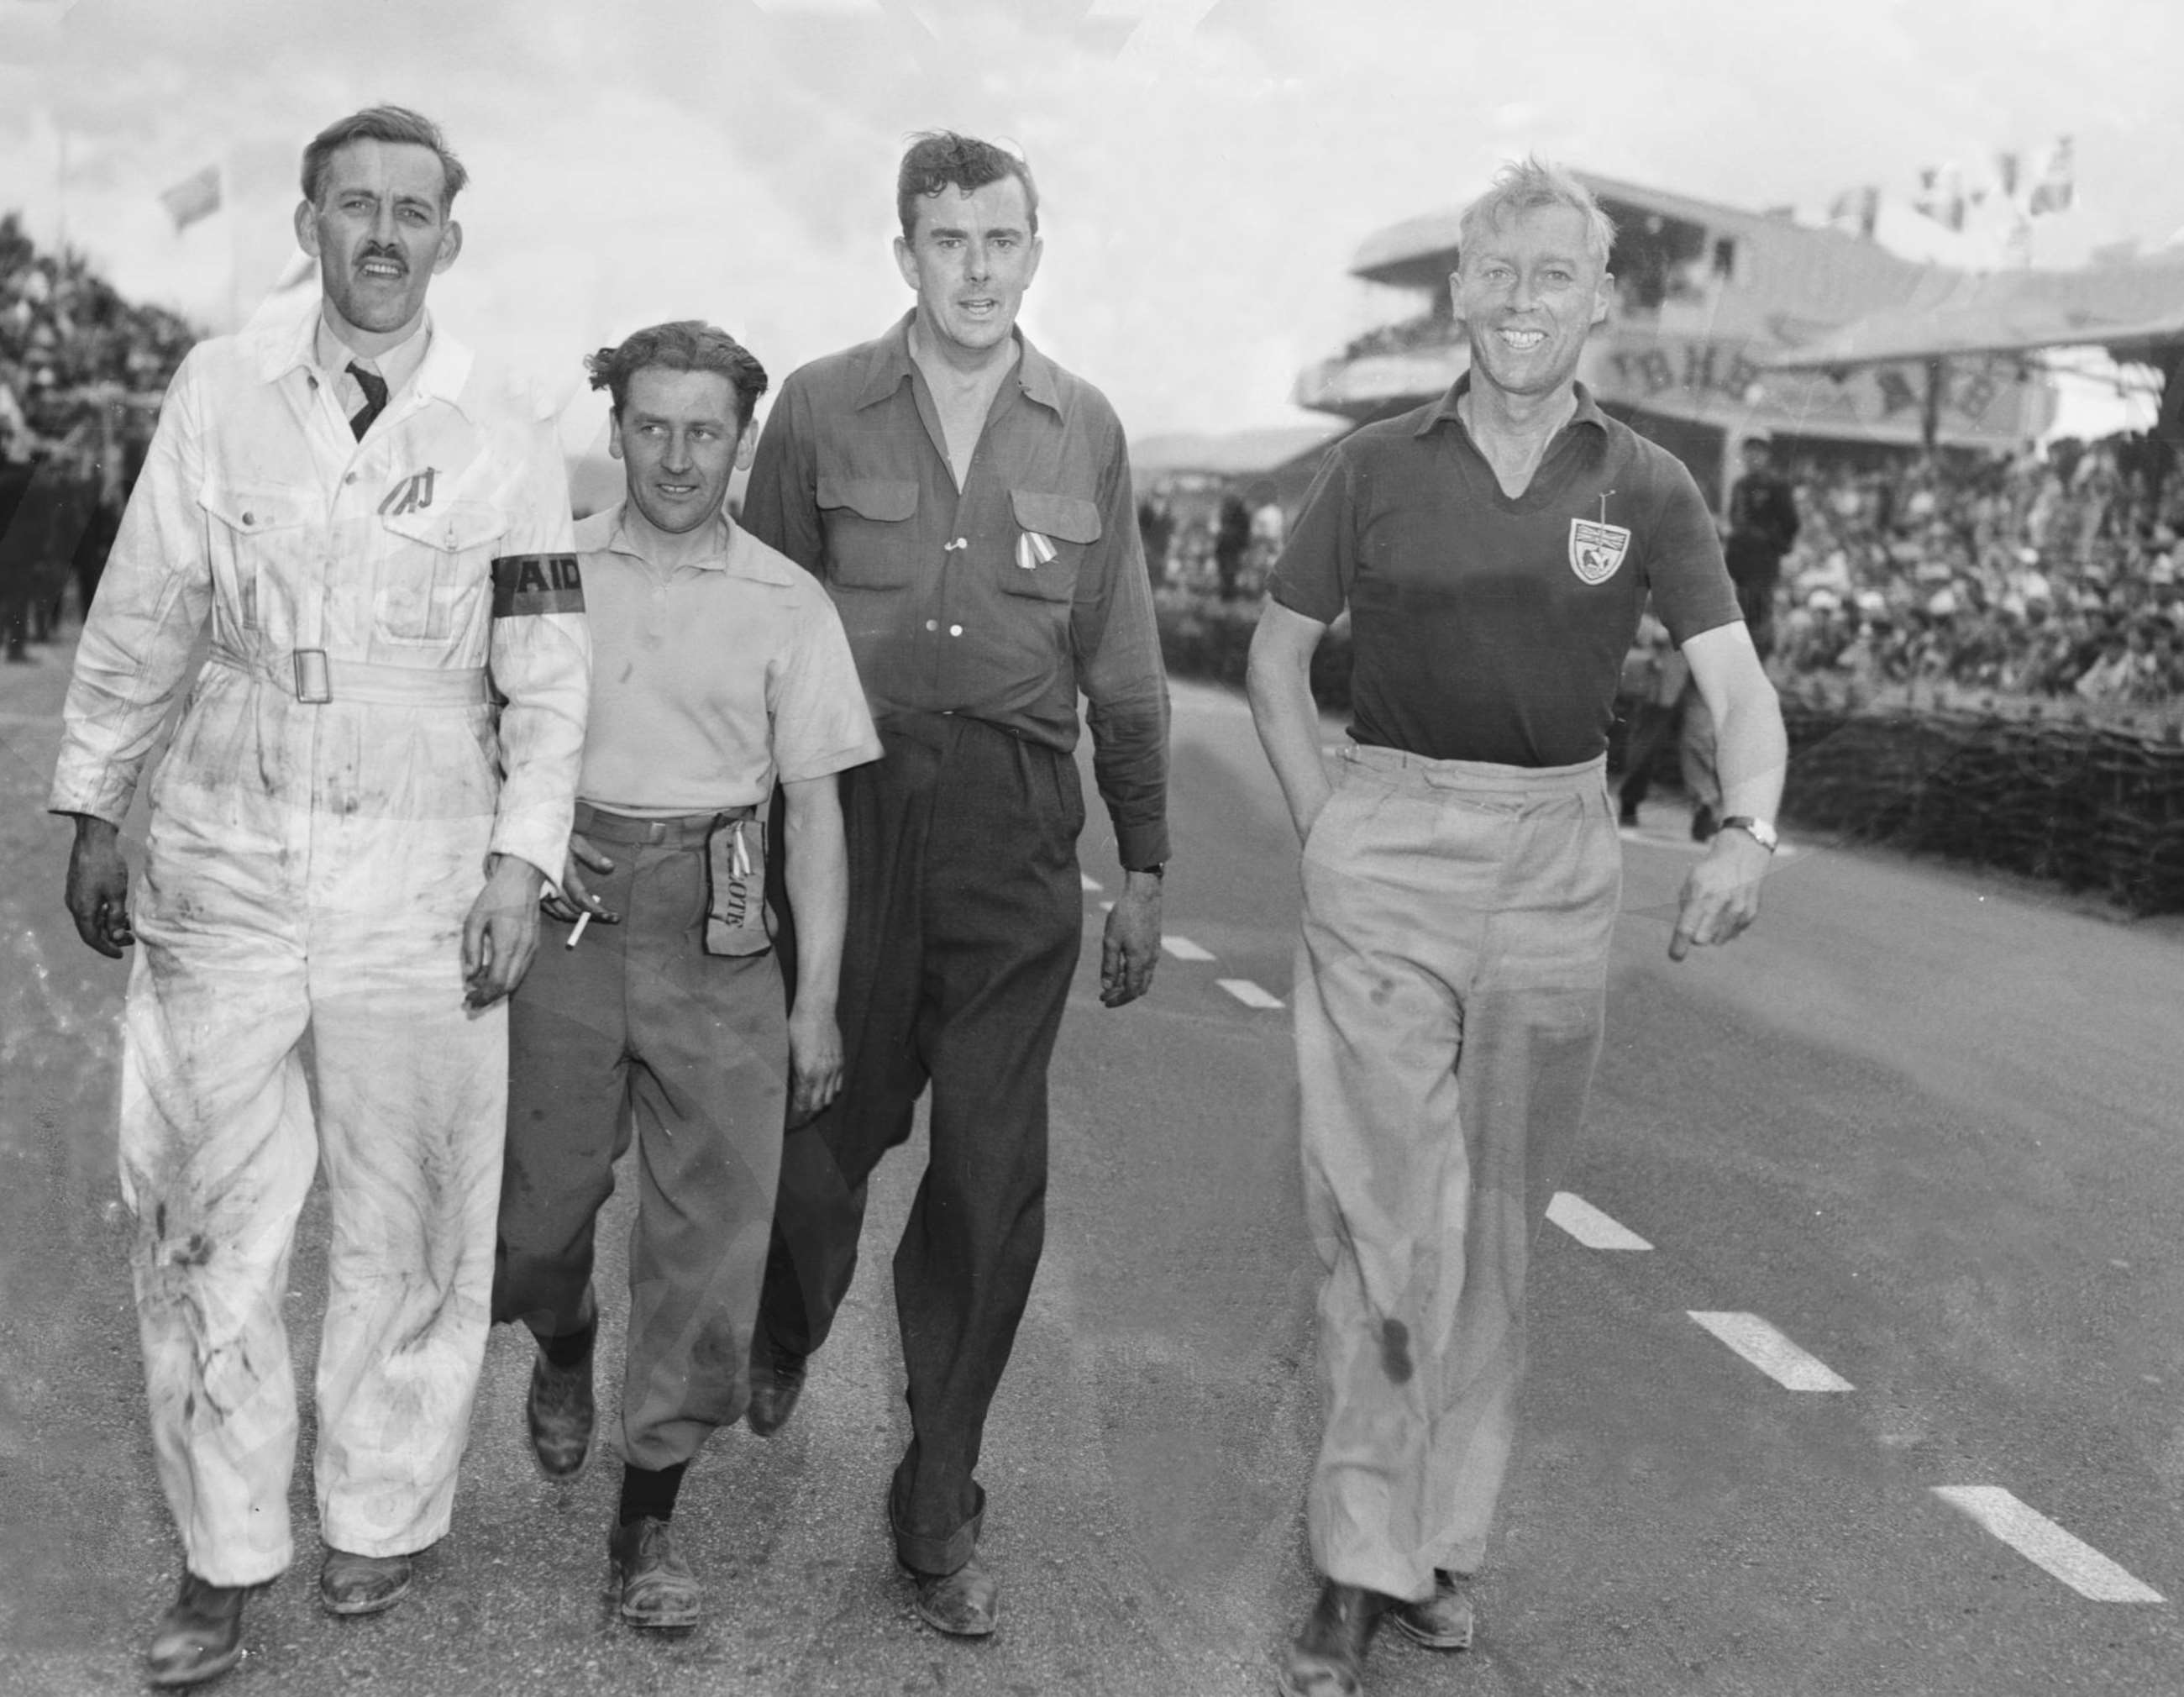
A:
(1719, 381)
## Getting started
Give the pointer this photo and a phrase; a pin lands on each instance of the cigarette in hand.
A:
(583, 919)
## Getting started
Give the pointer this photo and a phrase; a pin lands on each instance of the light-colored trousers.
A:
(1449, 993)
(255, 927)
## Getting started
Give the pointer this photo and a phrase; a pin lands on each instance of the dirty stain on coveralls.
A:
(309, 867)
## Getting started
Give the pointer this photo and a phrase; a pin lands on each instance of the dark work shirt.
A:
(1492, 627)
(1001, 601)
(1763, 523)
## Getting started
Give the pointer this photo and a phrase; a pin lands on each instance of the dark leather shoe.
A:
(966, 1603)
(1327, 1658)
(777, 1381)
(351, 1584)
(561, 1413)
(200, 1636)
(1442, 1621)
(658, 1589)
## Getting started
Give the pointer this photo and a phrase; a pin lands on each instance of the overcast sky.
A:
(1206, 168)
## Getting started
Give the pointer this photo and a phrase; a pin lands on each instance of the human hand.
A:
(500, 934)
(1721, 896)
(97, 891)
(815, 1061)
(574, 895)
(1129, 949)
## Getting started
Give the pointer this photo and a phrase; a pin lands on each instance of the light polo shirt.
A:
(709, 679)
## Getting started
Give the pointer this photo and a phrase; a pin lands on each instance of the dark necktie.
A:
(375, 398)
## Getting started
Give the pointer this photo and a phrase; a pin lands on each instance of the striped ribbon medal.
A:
(1033, 551)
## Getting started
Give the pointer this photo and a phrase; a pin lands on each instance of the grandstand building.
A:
(1707, 299)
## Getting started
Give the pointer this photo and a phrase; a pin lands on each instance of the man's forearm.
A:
(1751, 754)
(1279, 681)
(817, 874)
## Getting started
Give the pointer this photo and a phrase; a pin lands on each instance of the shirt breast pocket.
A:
(1053, 532)
(251, 529)
(433, 575)
(868, 530)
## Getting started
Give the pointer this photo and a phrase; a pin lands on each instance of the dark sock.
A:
(647, 1491)
(570, 1349)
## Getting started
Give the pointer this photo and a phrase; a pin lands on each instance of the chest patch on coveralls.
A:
(524, 584)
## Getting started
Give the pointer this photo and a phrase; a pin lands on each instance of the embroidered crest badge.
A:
(1596, 550)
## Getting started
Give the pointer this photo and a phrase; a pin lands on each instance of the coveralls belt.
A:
(1450, 986)
(359, 680)
(684, 830)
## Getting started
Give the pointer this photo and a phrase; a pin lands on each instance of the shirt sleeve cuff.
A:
(1139, 846)
(536, 840)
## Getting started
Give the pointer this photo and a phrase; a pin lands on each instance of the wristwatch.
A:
(1761, 831)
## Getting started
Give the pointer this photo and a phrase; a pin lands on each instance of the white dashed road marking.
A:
(1589, 1226)
(1185, 950)
(2041, 1542)
(1249, 993)
(1092, 885)
(1771, 1353)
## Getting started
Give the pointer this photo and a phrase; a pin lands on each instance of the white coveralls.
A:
(308, 866)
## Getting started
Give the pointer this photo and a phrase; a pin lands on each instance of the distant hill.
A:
(1238, 453)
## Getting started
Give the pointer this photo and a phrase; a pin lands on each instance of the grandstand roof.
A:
(2132, 307)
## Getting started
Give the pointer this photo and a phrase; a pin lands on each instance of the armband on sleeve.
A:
(525, 584)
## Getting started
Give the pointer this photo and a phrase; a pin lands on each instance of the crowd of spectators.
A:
(2053, 574)
(81, 370)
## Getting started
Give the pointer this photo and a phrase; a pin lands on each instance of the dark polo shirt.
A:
(1485, 628)
(1001, 601)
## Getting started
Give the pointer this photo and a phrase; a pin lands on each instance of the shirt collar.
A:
(891, 363)
(442, 372)
(1588, 410)
(737, 555)
(396, 366)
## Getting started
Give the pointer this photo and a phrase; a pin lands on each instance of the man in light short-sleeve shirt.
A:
(720, 665)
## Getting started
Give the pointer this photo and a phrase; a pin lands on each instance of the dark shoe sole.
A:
(352, 1608)
(1418, 1635)
(174, 1679)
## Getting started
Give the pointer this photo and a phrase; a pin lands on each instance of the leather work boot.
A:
(776, 1381)
(352, 1584)
(966, 1603)
(200, 1636)
(658, 1588)
(561, 1413)
(1442, 1621)
(1327, 1658)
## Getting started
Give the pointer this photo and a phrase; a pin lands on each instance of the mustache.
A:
(393, 256)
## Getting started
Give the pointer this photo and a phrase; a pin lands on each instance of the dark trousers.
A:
(966, 915)
(638, 1028)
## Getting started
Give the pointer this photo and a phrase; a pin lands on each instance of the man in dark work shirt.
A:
(1461, 874)
(967, 502)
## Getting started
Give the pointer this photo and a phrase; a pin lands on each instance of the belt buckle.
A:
(313, 684)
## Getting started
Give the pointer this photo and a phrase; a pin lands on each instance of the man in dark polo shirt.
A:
(1461, 874)
(967, 504)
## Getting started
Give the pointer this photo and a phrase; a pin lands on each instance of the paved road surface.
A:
(1922, 1127)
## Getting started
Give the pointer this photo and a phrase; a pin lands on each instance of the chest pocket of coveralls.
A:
(1068, 524)
(868, 544)
(426, 594)
(251, 529)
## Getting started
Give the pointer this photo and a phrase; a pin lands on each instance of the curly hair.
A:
(938, 159)
(396, 124)
(687, 344)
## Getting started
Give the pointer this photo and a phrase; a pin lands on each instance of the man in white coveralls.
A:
(345, 838)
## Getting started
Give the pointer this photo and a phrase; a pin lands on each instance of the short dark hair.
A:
(687, 344)
(937, 159)
(383, 124)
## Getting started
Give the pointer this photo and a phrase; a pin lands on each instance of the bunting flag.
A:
(193, 198)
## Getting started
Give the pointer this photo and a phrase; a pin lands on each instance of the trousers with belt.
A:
(638, 1031)
(1450, 986)
(965, 917)
(307, 870)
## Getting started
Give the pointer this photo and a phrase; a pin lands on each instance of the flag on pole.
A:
(193, 198)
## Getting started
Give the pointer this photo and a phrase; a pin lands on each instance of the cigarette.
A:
(583, 919)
